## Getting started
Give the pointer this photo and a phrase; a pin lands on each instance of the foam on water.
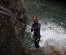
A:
(52, 31)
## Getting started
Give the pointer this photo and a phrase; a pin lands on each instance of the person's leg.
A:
(36, 43)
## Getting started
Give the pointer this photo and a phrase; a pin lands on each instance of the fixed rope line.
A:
(2, 12)
(6, 12)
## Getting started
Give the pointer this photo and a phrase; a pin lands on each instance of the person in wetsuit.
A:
(36, 28)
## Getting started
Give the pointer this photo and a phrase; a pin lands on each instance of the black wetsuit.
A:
(36, 34)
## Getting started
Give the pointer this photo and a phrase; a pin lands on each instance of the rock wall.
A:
(12, 27)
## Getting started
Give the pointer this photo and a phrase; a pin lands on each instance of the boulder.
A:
(12, 27)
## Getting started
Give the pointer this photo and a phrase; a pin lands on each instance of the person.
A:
(36, 28)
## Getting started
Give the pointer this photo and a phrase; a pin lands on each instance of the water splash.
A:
(51, 33)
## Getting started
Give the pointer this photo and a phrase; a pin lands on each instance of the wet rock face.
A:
(12, 29)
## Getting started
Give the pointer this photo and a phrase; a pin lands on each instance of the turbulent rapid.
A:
(54, 32)
(51, 34)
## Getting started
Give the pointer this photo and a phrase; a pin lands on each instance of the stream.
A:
(50, 12)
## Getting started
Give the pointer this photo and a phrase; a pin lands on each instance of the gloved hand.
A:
(35, 27)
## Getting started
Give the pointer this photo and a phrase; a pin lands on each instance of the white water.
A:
(51, 31)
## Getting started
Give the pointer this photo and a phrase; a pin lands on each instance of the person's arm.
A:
(38, 26)
(33, 28)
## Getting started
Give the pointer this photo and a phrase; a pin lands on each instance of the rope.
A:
(6, 10)
(2, 12)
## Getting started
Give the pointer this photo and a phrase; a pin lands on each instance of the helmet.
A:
(35, 19)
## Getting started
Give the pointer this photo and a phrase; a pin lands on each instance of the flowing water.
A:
(52, 17)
